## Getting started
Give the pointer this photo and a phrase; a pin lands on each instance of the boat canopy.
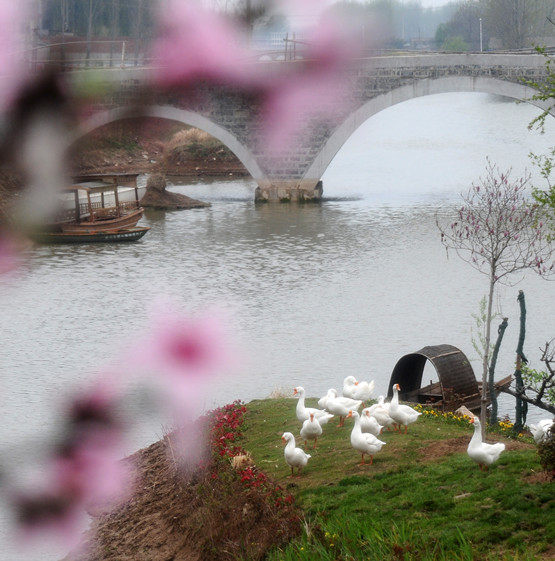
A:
(456, 376)
(92, 187)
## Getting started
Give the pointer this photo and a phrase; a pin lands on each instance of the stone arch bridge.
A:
(378, 83)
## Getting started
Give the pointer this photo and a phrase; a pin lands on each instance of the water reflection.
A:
(317, 292)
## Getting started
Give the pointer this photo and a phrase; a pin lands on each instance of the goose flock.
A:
(372, 421)
(368, 424)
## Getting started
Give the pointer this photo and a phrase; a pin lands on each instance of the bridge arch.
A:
(244, 155)
(420, 88)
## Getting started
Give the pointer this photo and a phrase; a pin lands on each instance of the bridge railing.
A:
(72, 55)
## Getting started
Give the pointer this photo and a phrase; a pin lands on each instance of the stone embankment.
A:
(158, 198)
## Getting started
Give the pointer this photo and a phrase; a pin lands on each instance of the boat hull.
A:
(126, 221)
(110, 236)
(433, 396)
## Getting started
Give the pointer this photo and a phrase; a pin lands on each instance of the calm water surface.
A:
(316, 292)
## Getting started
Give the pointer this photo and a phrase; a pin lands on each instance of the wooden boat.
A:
(118, 235)
(457, 383)
(97, 206)
(435, 395)
(97, 209)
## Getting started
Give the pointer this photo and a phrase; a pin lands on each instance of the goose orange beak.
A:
(350, 414)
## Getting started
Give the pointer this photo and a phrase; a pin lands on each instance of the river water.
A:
(316, 292)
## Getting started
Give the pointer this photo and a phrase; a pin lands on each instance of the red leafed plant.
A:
(225, 433)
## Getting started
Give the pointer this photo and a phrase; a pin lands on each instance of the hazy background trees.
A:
(460, 25)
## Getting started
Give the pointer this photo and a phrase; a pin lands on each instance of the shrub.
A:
(546, 452)
(195, 144)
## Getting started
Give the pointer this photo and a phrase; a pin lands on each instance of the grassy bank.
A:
(423, 498)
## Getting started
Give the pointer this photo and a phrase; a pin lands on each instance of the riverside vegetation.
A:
(422, 499)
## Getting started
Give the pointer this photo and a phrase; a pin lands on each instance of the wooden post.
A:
(91, 211)
(117, 200)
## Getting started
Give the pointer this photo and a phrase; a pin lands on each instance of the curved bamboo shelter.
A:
(457, 382)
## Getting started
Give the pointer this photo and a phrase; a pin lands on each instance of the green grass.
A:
(423, 498)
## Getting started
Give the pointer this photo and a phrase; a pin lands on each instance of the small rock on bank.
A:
(158, 198)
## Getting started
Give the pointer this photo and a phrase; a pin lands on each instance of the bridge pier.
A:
(289, 192)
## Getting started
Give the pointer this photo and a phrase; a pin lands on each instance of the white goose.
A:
(380, 404)
(482, 453)
(380, 412)
(336, 407)
(357, 390)
(303, 413)
(346, 401)
(295, 457)
(323, 401)
(402, 415)
(311, 430)
(369, 423)
(543, 430)
(364, 442)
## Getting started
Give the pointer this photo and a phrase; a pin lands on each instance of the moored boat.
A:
(97, 209)
(457, 383)
(95, 206)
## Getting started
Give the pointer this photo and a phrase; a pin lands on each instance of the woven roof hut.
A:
(457, 383)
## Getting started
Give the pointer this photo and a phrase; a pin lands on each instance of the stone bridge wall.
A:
(233, 115)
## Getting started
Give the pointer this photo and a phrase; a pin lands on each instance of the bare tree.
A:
(499, 232)
(465, 23)
(513, 23)
(114, 28)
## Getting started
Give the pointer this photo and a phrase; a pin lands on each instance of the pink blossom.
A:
(94, 408)
(317, 89)
(92, 471)
(13, 16)
(10, 257)
(183, 356)
(189, 443)
(196, 44)
(49, 514)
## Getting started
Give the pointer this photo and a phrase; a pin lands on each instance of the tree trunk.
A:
(493, 397)
(484, 400)
(63, 9)
(89, 34)
(114, 31)
(521, 410)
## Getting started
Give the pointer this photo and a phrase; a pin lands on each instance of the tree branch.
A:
(536, 401)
